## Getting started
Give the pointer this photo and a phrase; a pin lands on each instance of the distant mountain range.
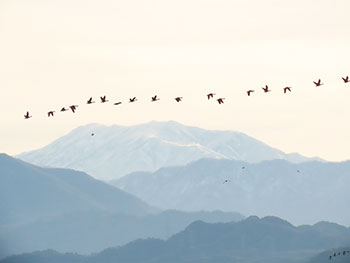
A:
(111, 152)
(252, 240)
(301, 193)
(67, 210)
(29, 192)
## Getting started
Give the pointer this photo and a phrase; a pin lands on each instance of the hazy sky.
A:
(58, 53)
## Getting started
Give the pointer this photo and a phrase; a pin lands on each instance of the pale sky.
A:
(58, 53)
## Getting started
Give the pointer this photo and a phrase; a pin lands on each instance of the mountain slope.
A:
(268, 239)
(87, 232)
(28, 192)
(301, 193)
(117, 150)
(66, 210)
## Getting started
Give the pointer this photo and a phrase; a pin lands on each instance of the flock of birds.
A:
(339, 254)
(177, 99)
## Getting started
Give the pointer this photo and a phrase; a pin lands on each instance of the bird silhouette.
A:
(318, 83)
(287, 88)
(226, 181)
(103, 99)
(250, 91)
(346, 79)
(92, 134)
(90, 101)
(178, 99)
(27, 116)
(344, 252)
(73, 108)
(330, 257)
(155, 98)
(132, 99)
(266, 89)
(220, 100)
(117, 103)
(64, 109)
(50, 113)
(210, 95)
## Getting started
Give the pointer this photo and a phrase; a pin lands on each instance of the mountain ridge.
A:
(259, 188)
(148, 147)
(252, 240)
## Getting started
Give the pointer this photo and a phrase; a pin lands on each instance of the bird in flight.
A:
(346, 79)
(117, 103)
(27, 116)
(220, 100)
(132, 99)
(210, 95)
(318, 83)
(50, 113)
(226, 181)
(266, 89)
(90, 101)
(178, 99)
(64, 109)
(250, 91)
(103, 99)
(155, 98)
(73, 107)
(287, 88)
(92, 134)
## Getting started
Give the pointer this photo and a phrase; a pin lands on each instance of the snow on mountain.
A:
(302, 193)
(114, 151)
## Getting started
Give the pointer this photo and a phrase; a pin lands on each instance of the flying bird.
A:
(266, 89)
(318, 83)
(92, 134)
(155, 98)
(250, 91)
(73, 107)
(132, 99)
(210, 95)
(103, 99)
(346, 79)
(50, 113)
(226, 181)
(27, 116)
(117, 103)
(64, 109)
(178, 99)
(90, 101)
(220, 100)
(287, 88)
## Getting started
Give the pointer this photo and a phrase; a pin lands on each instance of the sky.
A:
(59, 53)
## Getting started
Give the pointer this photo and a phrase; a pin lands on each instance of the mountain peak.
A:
(114, 151)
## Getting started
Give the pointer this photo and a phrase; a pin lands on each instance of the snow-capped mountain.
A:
(110, 152)
(301, 193)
